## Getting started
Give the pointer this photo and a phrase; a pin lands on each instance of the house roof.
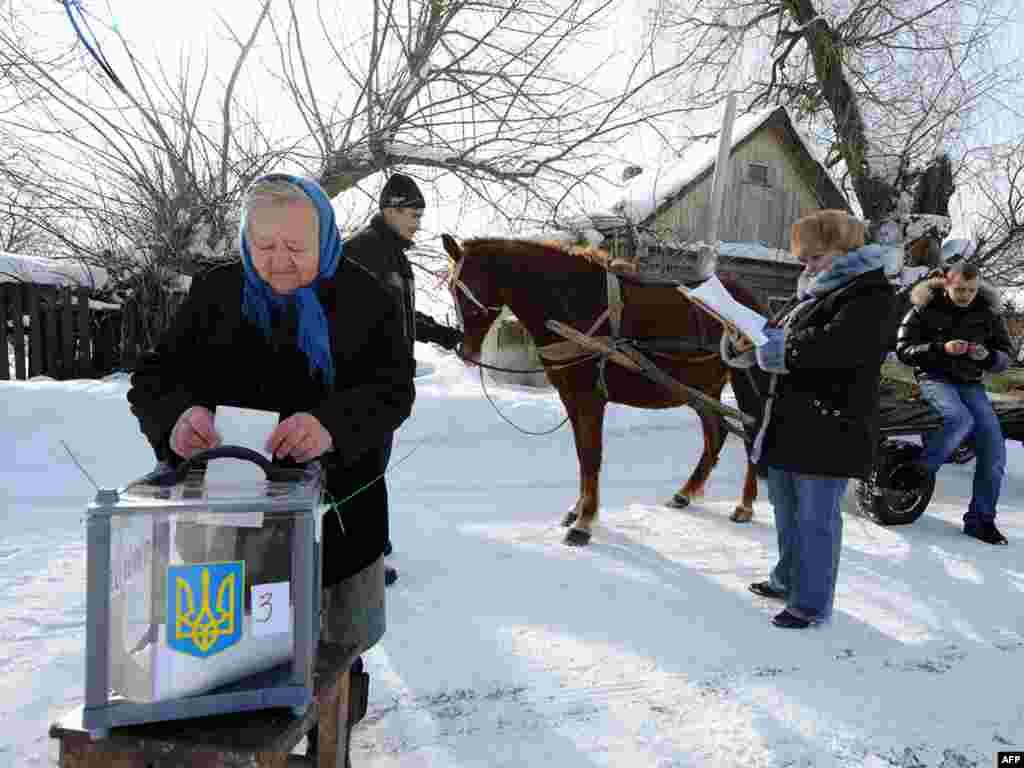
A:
(42, 270)
(656, 189)
(63, 272)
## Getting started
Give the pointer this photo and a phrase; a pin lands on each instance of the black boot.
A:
(358, 692)
(986, 532)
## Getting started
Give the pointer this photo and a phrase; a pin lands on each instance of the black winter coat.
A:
(824, 418)
(381, 250)
(212, 355)
(933, 320)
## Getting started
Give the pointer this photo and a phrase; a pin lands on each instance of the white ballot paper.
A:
(248, 428)
(713, 294)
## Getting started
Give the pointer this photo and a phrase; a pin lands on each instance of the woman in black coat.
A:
(297, 330)
(820, 421)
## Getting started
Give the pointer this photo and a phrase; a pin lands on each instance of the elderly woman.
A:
(820, 372)
(298, 330)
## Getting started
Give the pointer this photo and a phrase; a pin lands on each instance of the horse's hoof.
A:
(569, 519)
(741, 515)
(576, 537)
(678, 501)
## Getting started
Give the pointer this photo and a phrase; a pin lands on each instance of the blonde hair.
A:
(828, 230)
(275, 192)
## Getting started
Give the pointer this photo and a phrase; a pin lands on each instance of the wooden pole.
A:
(67, 363)
(52, 344)
(18, 319)
(5, 367)
(35, 327)
(696, 398)
(84, 366)
(707, 260)
(636, 361)
(590, 343)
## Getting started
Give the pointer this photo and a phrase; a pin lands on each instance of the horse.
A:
(540, 281)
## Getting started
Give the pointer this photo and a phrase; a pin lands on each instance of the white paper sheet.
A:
(248, 428)
(713, 293)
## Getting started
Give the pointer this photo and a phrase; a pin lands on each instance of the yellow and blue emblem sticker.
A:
(204, 607)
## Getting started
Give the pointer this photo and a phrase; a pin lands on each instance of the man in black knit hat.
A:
(380, 248)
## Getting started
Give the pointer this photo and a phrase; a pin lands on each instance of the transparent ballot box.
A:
(202, 596)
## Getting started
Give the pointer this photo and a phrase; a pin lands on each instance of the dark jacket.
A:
(824, 414)
(381, 250)
(212, 355)
(933, 320)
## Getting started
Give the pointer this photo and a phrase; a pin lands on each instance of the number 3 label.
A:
(270, 610)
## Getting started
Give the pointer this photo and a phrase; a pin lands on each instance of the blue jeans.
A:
(966, 408)
(810, 533)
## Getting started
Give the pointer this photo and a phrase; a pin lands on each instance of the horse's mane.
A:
(598, 257)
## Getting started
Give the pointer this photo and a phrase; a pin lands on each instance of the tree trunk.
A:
(877, 196)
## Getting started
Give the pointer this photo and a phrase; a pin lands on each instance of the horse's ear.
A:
(451, 246)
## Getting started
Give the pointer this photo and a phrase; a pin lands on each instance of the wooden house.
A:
(775, 178)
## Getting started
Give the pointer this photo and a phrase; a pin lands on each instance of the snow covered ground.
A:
(506, 648)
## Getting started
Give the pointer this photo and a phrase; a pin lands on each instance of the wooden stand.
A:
(260, 739)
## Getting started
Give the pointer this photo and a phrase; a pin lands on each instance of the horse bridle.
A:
(455, 282)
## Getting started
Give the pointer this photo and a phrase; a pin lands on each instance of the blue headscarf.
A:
(258, 297)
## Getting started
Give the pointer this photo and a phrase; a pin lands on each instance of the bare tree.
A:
(135, 176)
(20, 233)
(887, 86)
(521, 100)
(998, 221)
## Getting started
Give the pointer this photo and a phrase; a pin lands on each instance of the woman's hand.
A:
(194, 432)
(301, 437)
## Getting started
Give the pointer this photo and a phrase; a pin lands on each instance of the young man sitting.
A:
(952, 335)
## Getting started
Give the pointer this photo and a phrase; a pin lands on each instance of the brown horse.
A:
(542, 281)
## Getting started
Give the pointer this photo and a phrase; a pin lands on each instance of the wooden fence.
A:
(52, 331)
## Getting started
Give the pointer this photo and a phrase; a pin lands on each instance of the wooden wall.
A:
(751, 212)
(47, 330)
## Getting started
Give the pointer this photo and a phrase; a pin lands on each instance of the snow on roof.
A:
(42, 270)
(744, 250)
(648, 191)
(756, 251)
(17, 267)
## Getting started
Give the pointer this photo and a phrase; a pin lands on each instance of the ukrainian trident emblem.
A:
(205, 607)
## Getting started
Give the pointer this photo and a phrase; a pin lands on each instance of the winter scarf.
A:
(842, 270)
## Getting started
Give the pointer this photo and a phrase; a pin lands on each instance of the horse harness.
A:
(559, 354)
(561, 351)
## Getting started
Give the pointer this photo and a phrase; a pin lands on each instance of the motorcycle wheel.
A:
(885, 505)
